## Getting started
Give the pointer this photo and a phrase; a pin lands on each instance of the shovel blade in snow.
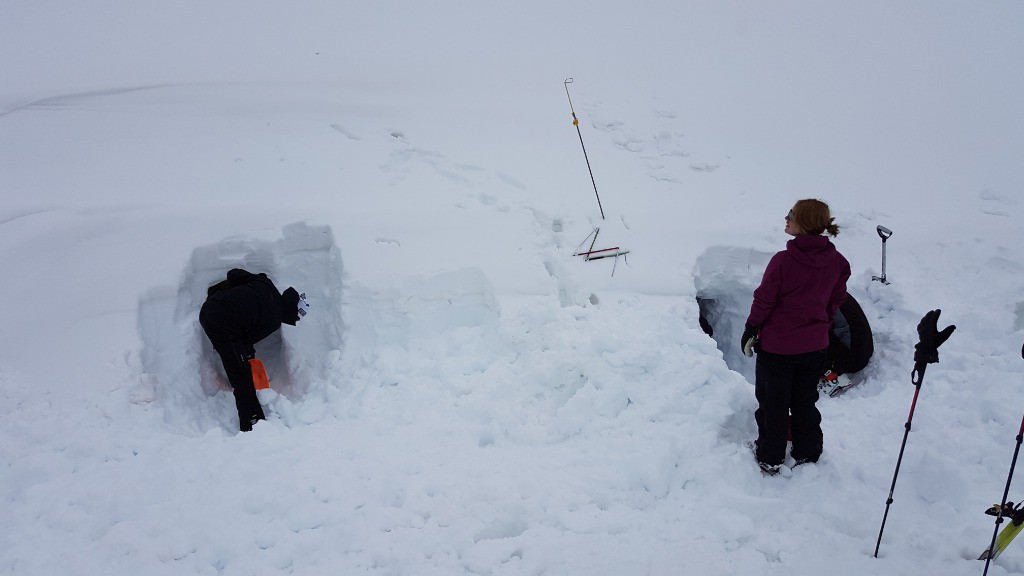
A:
(259, 374)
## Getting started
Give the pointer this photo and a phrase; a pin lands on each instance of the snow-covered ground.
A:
(466, 396)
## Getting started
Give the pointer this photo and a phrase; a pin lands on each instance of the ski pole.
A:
(926, 352)
(1006, 491)
(576, 123)
(916, 377)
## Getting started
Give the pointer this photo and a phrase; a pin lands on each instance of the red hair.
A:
(814, 218)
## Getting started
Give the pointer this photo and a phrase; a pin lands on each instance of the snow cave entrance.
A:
(725, 278)
(183, 373)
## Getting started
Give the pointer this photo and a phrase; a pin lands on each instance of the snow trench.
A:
(182, 374)
(436, 333)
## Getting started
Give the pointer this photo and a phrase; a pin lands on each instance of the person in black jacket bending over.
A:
(850, 343)
(238, 313)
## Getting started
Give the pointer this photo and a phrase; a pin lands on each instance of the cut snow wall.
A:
(725, 278)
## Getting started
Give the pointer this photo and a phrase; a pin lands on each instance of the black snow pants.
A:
(788, 384)
(234, 352)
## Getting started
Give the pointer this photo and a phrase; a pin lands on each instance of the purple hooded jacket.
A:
(802, 288)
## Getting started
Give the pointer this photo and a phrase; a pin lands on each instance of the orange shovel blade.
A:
(259, 374)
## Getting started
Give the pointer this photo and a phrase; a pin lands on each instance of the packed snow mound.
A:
(181, 371)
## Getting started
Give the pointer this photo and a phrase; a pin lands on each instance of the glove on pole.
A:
(927, 349)
(1006, 492)
(925, 352)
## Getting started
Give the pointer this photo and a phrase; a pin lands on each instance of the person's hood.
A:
(813, 251)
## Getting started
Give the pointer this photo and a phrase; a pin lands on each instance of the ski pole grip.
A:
(917, 375)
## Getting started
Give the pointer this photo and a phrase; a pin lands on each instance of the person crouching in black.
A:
(238, 313)
(850, 343)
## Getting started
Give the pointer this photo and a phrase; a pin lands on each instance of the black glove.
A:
(748, 340)
(927, 349)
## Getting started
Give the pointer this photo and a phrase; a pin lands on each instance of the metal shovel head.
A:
(259, 374)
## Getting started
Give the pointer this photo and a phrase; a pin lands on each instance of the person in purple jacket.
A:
(788, 326)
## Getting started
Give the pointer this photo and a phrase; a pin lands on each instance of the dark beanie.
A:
(290, 306)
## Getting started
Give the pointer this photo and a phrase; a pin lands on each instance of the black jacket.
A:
(247, 307)
(851, 343)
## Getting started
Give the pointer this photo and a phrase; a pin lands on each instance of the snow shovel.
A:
(883, 233)
(259, 374)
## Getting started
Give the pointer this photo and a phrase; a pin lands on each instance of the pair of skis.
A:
(1009, 532)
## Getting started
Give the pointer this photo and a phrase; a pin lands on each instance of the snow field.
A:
(466, 397)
